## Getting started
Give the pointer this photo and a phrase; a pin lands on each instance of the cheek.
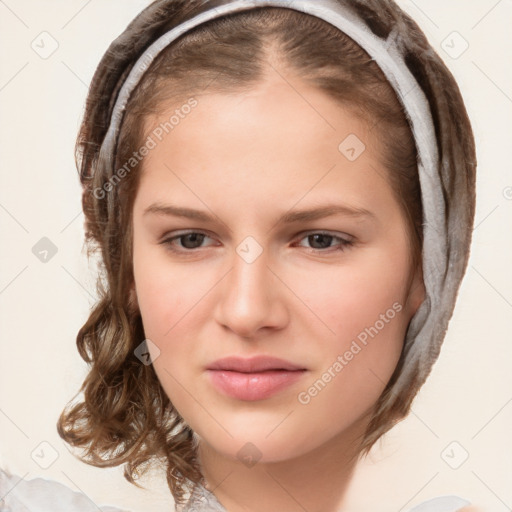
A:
(169, 304)
(348, 299)
(164, 292)
(167, 310)
(357, 361)
(175, 303)
(359, 326)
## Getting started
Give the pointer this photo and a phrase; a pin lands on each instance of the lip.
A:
(253, 364)
(256, 378)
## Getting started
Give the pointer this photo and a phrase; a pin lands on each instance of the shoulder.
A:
(444, 504)
(17, 494)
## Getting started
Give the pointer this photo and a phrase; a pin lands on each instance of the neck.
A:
(316, 481)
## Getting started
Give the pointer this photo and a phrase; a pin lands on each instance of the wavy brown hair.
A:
(124, 415)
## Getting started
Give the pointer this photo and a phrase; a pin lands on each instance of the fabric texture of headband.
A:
(427, 327)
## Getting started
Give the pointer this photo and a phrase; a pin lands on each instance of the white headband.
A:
(421, 348)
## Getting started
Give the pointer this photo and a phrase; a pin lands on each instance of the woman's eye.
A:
(322, 241)
(186, 241)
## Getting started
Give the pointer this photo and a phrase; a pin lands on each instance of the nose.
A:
(251, 298)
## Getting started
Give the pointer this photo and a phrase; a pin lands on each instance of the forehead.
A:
(281, 139)
(281, 118)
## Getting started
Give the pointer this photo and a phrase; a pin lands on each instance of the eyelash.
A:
(344, 244)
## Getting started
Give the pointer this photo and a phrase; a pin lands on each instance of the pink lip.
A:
(256, 378)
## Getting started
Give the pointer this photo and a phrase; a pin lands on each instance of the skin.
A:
(247, 159)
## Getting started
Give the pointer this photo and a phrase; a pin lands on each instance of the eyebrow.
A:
(287, 218)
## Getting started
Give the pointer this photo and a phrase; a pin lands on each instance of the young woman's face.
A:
(264, 227)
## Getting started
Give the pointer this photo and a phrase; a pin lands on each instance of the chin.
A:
(252, 440)
(251, 450)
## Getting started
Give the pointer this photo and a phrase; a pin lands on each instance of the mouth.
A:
(253, 379)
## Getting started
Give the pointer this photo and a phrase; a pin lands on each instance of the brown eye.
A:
(191, 240)
(322, 241)
(186, 242)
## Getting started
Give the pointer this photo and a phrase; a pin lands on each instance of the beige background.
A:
(468, 398)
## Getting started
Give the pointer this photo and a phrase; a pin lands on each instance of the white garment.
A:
(43, 495)
(202, 500)
(441, 504)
